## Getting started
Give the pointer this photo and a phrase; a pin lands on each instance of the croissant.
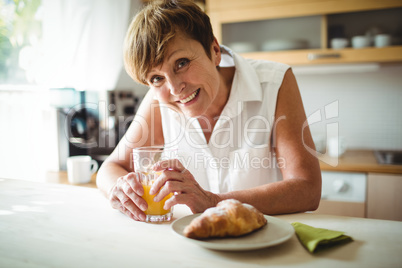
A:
(229, 218)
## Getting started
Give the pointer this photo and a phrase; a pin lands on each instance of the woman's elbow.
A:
(315, 202)
(315, 194)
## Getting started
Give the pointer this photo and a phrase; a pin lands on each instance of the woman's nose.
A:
(176, 86)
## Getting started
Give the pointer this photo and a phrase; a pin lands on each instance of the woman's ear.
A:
(216, 52)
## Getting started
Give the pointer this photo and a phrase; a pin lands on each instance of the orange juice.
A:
(154, 208)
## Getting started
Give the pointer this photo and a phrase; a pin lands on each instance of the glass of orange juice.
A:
(144, 160)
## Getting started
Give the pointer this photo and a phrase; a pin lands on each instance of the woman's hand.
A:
(126, 196)
(178, 180)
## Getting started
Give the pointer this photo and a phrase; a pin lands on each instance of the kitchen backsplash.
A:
(369, 105)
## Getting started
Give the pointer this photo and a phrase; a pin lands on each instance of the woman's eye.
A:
(182, 62)
(156, 79)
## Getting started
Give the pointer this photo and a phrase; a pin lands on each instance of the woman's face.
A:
(187, 78)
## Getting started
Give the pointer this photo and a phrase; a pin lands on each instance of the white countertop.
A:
(49, 225)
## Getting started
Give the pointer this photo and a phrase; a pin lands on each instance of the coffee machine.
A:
(76, 124)
(123, 105)
(88, 123)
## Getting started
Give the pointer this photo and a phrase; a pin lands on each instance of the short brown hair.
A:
(152, 28)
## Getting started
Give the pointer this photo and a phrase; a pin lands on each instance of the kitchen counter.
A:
(56, 225)
(61, 177)
(359, 161)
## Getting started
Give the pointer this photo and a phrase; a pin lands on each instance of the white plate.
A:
(276, 231)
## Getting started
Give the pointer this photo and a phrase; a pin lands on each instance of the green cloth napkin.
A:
(315, 239)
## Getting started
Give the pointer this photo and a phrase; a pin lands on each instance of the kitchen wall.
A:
(125, 81)
(369, 104)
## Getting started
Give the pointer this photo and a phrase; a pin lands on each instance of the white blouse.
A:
(239, 154)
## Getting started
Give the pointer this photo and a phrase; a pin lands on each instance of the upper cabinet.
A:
(300, 32)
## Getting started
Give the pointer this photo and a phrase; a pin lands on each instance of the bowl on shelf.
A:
(339, 43)
(360, 41)
(241, 47)
(284, 44)
(382, 40)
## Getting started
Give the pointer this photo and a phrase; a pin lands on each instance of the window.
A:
(20, 41)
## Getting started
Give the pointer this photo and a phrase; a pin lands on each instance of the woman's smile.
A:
(190, 99)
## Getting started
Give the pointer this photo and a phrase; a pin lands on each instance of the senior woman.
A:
(239, 124)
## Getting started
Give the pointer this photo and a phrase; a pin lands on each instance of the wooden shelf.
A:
(331, 56)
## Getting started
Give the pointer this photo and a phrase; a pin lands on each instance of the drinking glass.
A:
(144, 160)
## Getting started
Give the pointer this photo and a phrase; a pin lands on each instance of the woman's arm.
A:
(300, 189)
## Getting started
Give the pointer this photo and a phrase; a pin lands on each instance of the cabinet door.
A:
(384, 198)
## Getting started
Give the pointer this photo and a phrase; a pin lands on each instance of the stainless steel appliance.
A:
(121, 107)
(76, 125)
(388, 157)
(80, 130)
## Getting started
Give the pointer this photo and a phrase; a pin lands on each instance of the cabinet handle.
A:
(314, 56)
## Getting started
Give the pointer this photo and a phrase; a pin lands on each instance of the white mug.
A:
(80, 168)
(337, 43)
(382, 40)
(360, 41)
(336, 146)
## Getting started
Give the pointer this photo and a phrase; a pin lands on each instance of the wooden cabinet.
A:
(384, 196)
(227, 13)
(357, 194)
